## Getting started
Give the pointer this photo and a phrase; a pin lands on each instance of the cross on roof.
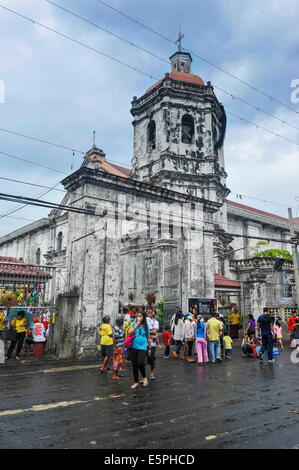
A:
(179, 41)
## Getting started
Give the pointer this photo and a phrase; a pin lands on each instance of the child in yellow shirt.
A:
(106, 335)
(228, 346)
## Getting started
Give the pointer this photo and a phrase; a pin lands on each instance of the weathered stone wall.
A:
(65, 334)
(26, 245)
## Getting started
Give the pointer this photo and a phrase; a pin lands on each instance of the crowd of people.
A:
(21, 335)
(267, 333)
(134, 339)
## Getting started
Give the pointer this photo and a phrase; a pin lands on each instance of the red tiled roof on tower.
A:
(181, 77)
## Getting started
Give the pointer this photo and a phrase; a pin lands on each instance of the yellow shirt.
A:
(127, 327)
(213, 328)
(234, 318)
(105, 331)
(19, 325)
(1, 321)
(227, 342)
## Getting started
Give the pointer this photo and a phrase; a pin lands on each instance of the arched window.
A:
(187, 129)
(151, 135)
(37, 256)
(59, 241)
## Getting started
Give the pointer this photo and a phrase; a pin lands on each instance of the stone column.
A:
(208, 265)
(195, 260)
(257, 284)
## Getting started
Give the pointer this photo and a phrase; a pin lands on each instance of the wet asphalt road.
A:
(238, 404)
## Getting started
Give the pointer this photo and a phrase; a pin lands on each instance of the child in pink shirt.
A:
(278, 332)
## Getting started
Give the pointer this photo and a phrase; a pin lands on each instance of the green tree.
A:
(160, 313)
(275, 253)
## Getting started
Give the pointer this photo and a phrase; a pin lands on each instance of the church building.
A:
(162, 228)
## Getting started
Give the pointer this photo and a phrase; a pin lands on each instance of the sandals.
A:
(152, 376)
(136, 385)
(145, 382)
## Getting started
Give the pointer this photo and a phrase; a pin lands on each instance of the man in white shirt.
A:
(153, 327)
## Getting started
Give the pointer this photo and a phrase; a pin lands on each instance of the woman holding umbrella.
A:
(19, 324)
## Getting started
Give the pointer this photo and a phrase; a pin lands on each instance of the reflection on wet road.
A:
(237, 404)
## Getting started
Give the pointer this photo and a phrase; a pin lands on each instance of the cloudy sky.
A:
(60, 91)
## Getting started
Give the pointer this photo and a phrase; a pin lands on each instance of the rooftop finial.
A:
(179, 40)
(94, 139)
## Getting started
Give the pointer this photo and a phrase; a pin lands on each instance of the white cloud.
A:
(61, 91)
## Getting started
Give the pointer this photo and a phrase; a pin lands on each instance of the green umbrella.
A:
(14, 312)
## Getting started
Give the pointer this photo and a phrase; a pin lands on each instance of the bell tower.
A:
(179, 130)
(181, 62)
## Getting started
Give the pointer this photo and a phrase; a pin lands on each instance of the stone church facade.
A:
(162, 228)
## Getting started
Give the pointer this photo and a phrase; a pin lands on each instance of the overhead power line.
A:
(122, 63)
(79, 151)
(65, 191)
(123, 208)
(252, 87)
(40, 140)
(24, 205)
(9, 155)
(48, 204)
(37, 202)
(257, 108)
(261, 200)
(76, 41)
(262, 128)
(130, 43)
(31, 184)
(110, 161)
(45, 142)
(20, 218)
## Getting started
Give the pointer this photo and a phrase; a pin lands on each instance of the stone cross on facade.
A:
(179, 41)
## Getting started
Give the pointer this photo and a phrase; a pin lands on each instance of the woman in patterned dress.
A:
(118, 352)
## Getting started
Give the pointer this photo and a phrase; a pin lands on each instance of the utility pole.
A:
(294, 238)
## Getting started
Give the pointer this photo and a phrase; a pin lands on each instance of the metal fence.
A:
(33, 286)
